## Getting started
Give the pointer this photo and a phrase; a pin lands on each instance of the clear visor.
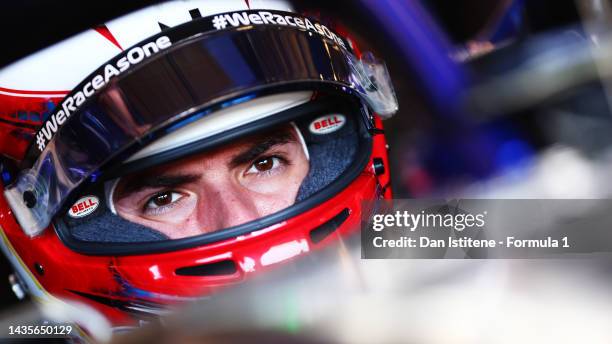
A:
(187, 80)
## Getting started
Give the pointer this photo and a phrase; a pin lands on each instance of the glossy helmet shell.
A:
(127, 287)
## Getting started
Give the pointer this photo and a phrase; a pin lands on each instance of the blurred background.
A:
(498, 99)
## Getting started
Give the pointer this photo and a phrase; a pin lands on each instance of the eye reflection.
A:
(163, 199)
(265, 164)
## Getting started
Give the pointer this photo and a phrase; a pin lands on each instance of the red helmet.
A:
(184, 147)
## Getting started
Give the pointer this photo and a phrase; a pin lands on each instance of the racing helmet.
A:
(185, 147)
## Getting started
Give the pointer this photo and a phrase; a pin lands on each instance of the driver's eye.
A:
(163, 199)
(264, 164)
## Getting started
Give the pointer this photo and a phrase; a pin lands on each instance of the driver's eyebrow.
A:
(141, 182)
(261, 146)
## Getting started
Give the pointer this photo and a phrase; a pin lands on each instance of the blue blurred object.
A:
(506, 25)
(456, 149)
(425, 48)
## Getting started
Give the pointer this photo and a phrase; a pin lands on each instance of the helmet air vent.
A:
(323, 231)
(219, 268)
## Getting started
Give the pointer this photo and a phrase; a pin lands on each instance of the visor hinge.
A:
(378, 166)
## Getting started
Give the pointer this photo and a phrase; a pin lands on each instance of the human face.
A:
(254, 177)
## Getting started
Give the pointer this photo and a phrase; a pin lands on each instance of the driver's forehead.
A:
(221, 157)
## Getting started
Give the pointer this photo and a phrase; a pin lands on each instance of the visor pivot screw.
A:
(39, 269)
(29, 198)
(378, 166)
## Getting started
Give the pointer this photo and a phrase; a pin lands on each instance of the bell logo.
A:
(327, 124)
(83, 207)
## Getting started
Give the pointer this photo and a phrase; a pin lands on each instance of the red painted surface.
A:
(104, 31)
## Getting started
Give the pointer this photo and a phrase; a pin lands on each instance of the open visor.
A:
(180, 76)
(248, 178)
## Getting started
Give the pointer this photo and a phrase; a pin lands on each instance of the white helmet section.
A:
(226, 119)
(60, 67)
